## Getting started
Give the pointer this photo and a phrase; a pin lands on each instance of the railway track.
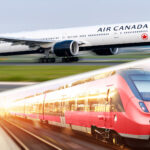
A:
(67, 140)
(25, 139)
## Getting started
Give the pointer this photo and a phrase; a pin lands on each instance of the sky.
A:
(28, 15)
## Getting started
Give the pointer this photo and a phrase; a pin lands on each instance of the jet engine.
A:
(106, 51)
(65, 48)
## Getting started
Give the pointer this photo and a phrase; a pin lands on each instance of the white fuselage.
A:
(89, 36)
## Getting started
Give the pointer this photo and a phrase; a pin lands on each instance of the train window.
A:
(63, 108)
(46, 108)
(93, 104)
(142, 84)
(50, 108)
(107, 107)
(98, 103)
(56, 107)
(37, 108)
(59, 108)
(115, 104)
(72, 106)
(33, 108)
(87, 108)
(81, 105)
(27, 108)
(143, 88)
(40, 108)
(46, 105)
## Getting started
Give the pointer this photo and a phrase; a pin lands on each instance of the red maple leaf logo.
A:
(144, 36)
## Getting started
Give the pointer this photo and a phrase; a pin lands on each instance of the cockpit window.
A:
(142, 83)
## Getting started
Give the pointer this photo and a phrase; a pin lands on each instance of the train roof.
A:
(65, 82)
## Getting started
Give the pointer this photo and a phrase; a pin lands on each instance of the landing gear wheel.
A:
(75, 59)
(46, 60)
(64, 60)
(70, 59)
(50, 60)
(41, 60)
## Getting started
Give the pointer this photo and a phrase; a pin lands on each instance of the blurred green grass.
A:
(41, 73)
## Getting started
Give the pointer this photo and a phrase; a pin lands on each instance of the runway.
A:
(4, 86)
(59, 64)
(85, 59)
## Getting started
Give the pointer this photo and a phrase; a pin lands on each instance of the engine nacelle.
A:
(66, 48)
(106, 51)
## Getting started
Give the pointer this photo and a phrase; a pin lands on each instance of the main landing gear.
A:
(63, 59)
(70, 59)
(47, 60)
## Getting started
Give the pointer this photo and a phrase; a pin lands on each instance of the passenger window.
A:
(50, 109)
(63, 107)
(93, 104)
(72, 106)
(57, 108)
(80, 105)
(115, 101)
(39, 108)
(32, 108)
(97, 104)
(46, 108)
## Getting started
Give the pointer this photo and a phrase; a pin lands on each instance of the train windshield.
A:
(142, 83)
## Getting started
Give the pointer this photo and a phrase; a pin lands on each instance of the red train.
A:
(113, 106)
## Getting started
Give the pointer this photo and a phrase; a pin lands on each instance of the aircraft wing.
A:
(25, 41)
(30, 42)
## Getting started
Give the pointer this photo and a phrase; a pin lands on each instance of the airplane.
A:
(66, 43)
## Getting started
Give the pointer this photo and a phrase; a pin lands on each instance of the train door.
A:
(108, 113)
(113, 105)
(62, 115)
(63, 108)
(42, 108)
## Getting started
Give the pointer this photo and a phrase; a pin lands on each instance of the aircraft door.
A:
(116, 35)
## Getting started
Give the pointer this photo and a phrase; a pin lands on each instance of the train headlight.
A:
(143, 107)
